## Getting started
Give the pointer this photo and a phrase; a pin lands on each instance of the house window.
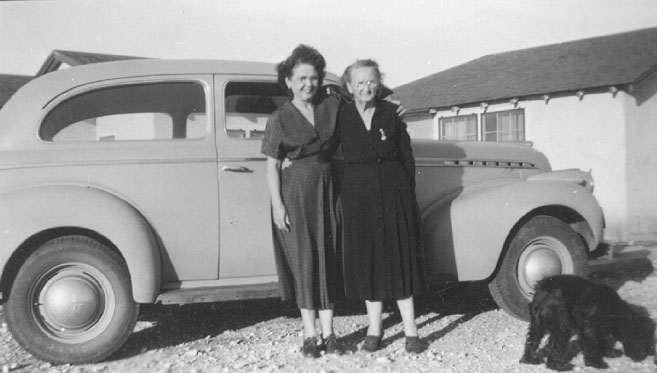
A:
(459, 128)
(504, 126)
(152, 111)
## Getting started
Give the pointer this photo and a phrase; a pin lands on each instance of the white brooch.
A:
(383, 134)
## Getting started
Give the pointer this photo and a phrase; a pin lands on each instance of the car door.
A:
(146, 141)
(243, 107)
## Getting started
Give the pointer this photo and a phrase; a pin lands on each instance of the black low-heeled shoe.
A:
(331, 345)
(371, 343)
(415, 345)
(309, 348)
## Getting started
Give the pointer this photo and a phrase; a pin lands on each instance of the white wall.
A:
(420, 127)
(641, 119)
(589, 134)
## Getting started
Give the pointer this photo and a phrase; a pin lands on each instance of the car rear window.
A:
(153, 111)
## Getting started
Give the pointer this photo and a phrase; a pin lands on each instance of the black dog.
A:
(566, 305)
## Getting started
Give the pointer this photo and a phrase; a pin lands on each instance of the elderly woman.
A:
(301, 133)
(382, 241)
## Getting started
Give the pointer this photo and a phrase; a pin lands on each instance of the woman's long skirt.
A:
(306, 255)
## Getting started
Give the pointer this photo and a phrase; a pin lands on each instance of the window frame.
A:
(90, 88)
(497, 132)
(441, 129)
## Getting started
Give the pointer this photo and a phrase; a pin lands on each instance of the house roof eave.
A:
(612, 60)
(446, 105)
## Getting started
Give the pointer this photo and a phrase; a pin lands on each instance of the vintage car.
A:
(134, 182)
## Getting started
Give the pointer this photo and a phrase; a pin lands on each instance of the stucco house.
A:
(589, 104)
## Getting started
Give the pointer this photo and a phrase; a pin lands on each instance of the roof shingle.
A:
(618, 60)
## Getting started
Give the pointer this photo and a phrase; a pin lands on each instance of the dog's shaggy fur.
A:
(566, 305)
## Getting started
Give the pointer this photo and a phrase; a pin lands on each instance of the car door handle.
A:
(237, 169)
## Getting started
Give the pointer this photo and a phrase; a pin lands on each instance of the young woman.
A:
(303, 207)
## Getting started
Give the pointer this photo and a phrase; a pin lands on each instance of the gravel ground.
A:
(465, 330)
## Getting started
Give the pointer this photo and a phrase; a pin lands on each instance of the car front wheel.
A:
(71, 302)
(543, 247)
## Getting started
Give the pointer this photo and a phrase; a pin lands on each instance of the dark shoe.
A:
(331, 345)
(415, 345)
(371, 343)
(309, 348)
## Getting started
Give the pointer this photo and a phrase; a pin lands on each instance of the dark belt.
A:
(313, 158)
(377, 160)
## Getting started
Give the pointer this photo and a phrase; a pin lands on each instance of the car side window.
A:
(153, 111)
(248, 105)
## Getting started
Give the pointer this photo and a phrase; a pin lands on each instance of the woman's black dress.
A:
(305, 256)
(382, 239)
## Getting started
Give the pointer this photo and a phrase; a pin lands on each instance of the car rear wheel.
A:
(71, 302)
(543, 247)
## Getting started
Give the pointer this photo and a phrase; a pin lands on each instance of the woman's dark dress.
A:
(382, 240)
(305, 256)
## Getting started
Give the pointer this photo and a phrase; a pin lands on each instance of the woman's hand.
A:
(401, 110)
(281, 218)
(278, 211)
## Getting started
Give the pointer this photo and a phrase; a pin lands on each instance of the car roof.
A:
(30, 98)
(68, 78)
(52, 84)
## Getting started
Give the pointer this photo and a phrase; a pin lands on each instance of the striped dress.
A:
(305, 256)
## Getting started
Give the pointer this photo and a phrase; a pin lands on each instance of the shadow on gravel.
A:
(466, 299)
(173, 325)
(614, 266)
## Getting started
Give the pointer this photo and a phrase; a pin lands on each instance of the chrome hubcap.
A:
(542, 257)
(73, 302)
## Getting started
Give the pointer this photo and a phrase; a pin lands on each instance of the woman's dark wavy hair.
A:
(301, 54)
